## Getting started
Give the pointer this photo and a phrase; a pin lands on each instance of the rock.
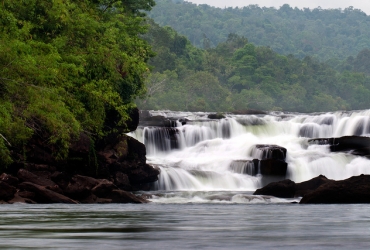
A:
(121, 181)
(249, 112)
(289, 189)
(269, 152)
(306, 187)
(353, 190)
(273, 167)
(26, 194)
(282, 189)
(6, 191)
(104, 188)
(357, 145)
(27, 176)
(19, 199)
(216, 116)
(61, 179)
(120, 196)
(44, 195)
(9, 179)
(80, 187)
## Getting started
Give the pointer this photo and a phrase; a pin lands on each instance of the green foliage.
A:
(63, 64)
(237, 75)
(323, 34)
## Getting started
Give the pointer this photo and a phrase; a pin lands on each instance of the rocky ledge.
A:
(105, 171)
(57, 187)
(321, 190)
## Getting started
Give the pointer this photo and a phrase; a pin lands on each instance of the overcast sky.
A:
(363, 5)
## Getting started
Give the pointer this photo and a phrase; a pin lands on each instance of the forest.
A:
(325, 34)
(237, 75)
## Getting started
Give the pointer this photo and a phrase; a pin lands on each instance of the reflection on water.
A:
(185, 226)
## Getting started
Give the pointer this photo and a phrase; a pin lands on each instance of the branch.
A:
(6, 140)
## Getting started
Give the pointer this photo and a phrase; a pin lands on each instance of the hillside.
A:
(323, 34)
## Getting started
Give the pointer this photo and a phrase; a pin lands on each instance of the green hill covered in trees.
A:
(323, 34)
(237, 75)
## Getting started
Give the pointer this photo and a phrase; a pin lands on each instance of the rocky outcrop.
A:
(282, 189)
(216, 116)
(357, 145)
(270, 152)
(353, 190)
(74, 189)
(290, 189)
(45, 195)
(6, 191)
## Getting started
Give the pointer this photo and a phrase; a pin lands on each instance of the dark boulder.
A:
(6, 191)
(216, 116)
(282, 189)
(249, 112)
(120, 196)
(147, 120)
(357, 145)
(104, 188)
(80, 187)
(290, 189)
(306, 187)
(9, 179)
(271, 151)
(27, 176)
(44, 195)
(20, 199)
(121, 181)
(353, 190)
(273, 167)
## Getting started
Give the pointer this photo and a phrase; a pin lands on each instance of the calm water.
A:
(185, 226)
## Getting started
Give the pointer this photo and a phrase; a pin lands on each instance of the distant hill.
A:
(323, 34)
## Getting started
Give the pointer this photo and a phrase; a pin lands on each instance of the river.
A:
(185, 226)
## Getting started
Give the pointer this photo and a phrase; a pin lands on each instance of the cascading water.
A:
(213, 158)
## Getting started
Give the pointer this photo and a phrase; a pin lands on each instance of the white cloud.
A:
(363, 5)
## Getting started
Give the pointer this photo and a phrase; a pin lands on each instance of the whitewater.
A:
(204, 159)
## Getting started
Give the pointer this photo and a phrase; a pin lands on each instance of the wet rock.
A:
(271, 152)
(249, 112)
(353, 190)
(216, 116)
(147, 120)
(273, 167)
(290, 189)
(9, 179)
(6, 191)
(44, 195)
(282, 189)
(357, 145)
(120, 196)
(19, 199)
(306, 187)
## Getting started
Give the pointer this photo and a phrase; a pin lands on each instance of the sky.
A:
(363, 5)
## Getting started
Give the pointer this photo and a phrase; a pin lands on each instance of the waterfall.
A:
(201, 154)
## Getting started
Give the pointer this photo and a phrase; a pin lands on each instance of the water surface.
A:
(185, 226)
